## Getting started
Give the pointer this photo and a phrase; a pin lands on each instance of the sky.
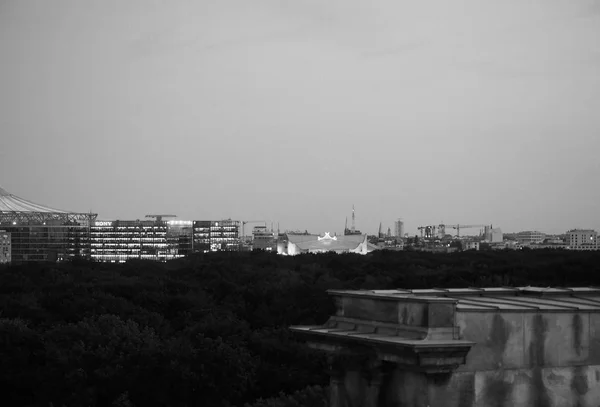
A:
(292, 111)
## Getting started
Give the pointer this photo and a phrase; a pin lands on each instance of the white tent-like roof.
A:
(14, 209)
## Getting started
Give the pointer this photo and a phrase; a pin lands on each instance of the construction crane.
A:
(458, 228)
(160, 217)
(251, 221)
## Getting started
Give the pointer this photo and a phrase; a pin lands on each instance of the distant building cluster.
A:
(33, 233)
(30, 232)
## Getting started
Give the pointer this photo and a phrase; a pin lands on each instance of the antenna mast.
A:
(353, 220)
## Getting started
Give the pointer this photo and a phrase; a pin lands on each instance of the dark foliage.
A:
(211, 330)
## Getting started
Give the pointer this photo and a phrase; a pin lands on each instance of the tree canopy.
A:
(212, 329)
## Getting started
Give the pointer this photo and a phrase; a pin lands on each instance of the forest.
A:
(211, 329)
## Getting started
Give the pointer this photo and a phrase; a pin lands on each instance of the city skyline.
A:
(470, 231)
(293, 111)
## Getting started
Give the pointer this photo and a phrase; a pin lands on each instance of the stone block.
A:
(370, 309)
(413, 313)
(440, 315)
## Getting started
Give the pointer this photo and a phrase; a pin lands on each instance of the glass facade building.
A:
(121, 240)
(40, 233)
(37, 233)
(213, 236)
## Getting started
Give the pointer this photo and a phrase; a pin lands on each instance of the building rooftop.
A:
(14, 209)
(425, 329)
(520, 299)
(12, 203)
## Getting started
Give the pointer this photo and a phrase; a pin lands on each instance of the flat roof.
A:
(521, 299)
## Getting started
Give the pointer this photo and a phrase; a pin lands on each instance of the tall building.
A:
(582, 239)
(352, 230)
(40, 233)
(493, 235)
(5, 247)
(399, 226)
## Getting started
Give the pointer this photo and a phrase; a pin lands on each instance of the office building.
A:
(582, 239)
(212, 236)
(40, 233)
(263, 239)
(160, 240)
(529, 237)
(121, 240)
(5, 247)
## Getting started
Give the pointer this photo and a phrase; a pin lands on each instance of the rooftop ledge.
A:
(425, 355)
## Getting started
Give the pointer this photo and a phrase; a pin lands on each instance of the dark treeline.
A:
(212, 330)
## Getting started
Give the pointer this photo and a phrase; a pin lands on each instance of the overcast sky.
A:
(291, 111)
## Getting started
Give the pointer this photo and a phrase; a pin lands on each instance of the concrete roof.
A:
(523, 299)
(12, 203)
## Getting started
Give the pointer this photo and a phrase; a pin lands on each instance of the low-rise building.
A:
(582, 239)
(530, 236)
(469, 245)
(263, 239)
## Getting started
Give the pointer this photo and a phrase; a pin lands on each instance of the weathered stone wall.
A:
(523, 340)
(523, 359)
(540, 387)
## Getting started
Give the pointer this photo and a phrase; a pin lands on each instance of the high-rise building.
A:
(5, 247)
(582, 239)
(399, 226)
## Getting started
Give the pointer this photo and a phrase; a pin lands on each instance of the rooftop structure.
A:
(14, 209)
(527, 346)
